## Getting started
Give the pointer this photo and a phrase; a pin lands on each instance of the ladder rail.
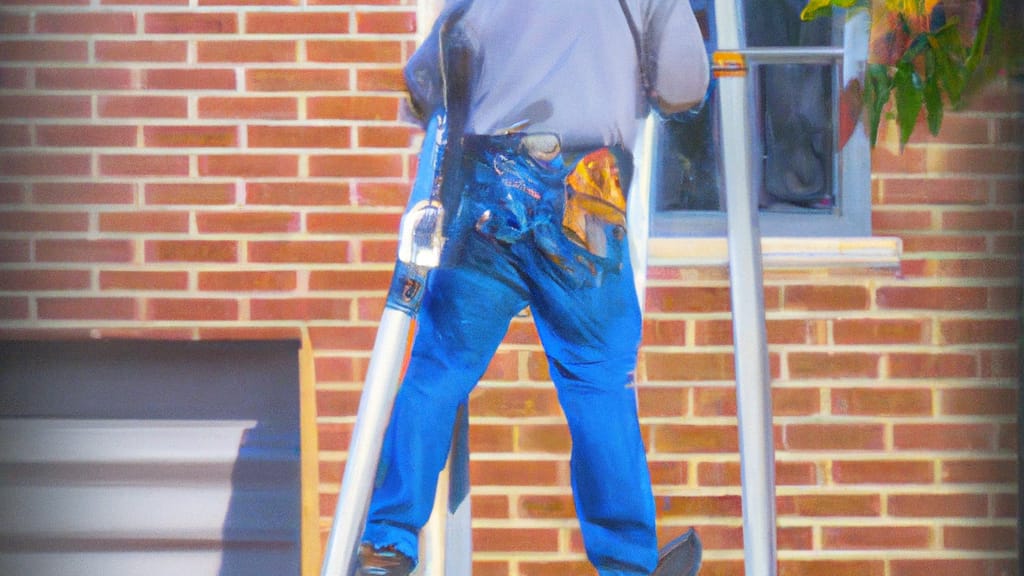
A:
(746, 279)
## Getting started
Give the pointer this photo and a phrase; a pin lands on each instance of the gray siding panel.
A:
(143, 488)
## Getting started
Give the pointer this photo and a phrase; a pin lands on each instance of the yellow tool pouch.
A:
(595, 205)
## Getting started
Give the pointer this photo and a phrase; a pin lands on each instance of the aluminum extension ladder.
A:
(446, 541)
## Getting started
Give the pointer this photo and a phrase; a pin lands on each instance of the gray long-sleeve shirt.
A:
(567, 66)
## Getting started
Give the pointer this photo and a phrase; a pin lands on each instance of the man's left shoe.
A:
(383, 562)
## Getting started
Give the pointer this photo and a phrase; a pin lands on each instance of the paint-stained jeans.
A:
(506, 250)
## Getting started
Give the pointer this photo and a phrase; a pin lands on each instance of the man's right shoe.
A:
(386, 561)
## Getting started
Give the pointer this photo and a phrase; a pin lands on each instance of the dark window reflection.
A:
(794, 114)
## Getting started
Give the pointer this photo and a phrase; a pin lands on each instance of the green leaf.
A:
(932, 95)
(948, 55)
(909, 98)
(823, 8)
(877, 86)
(816, 9)
(917, 47)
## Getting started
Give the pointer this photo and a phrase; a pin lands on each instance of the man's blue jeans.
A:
(590, 333)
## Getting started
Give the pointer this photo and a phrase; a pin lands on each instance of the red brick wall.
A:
(234, 169)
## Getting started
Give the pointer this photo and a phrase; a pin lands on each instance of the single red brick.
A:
(143, 165)
(344, 280)
(193, 309)
(931, 297)
(358, 338)
(551, 439)
(191, 251)
(1002, 538)
(14, 308)
(142, 280)
(190, 136)
(685, 438)
(83, 135)
(62, 51)
(249, 107)
(356, 165)
(355, 51)
(979, 471)
(85, 23)
(15, 136)
(45, 106)
(143, 106)
(189, 79)
(871, 538)
(296, 23)
(305, 309)
(833, 437)
(189, 193)
(247, 222)
(298, 80)
(826, 298)
(881, 402)
(190, 23)
(45, 164)
(916, 244)
(933, 191)
(248, 165)
(37, 221)
(885, 220)
(248, 281)
(883, 472)
(75, 193)
(84, 251)
(689, 366)
(833, 365)
(546, 506)
(296, 193)
(978, 331)
(353, 107)
(880, 331)
(97, 79)
(514, 402)
(944, 437)
(517, 473)
(41, 280)
(299, 137)
(68, 308)
(488, 438)
(932, 567)
(351, 223)
(690, 299)
(938, 505)
(239, 51)
(141, 51)
(979, 401)
(386, 22)
(715, 506)
(143, 222)
(830, 505)
(949, 365)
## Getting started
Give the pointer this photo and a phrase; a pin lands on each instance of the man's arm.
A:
(423, 77)
(676, 62)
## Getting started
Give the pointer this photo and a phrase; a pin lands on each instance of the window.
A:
(812, 176)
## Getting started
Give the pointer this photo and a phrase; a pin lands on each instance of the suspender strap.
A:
(638, 44)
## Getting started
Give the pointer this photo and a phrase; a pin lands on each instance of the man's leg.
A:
(465, 315)
(592, 336)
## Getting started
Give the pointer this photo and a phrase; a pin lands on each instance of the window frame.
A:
(852, 165)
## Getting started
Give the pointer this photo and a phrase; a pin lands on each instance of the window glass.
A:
(810, 175)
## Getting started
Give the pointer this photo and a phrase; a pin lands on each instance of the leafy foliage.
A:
(917, 62)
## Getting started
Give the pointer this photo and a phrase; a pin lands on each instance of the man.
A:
(548, 95)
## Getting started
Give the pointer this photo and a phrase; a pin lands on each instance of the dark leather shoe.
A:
(383, 562)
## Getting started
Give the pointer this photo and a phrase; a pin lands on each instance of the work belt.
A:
(571, 202)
